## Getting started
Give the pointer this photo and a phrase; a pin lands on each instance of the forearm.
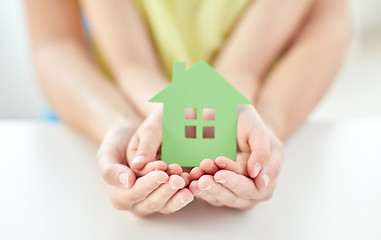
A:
(263, 31)
(80, 94)
(140, 84)
(123, 37)
(298, 82)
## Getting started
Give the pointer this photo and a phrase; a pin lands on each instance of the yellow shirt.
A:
(189, 30)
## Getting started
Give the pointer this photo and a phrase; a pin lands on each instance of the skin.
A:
(305, 38)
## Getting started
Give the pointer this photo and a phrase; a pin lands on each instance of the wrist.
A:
(118, 122)
(246, 82)
(274, 122)
(139, 84)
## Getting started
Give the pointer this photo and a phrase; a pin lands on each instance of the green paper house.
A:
(199, 115)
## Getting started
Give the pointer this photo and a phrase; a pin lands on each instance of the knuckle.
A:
(232, 185)
(247, 195)
(107, 173)
(215, 203)
(276, 167)
(166, 211)
(105, 149)
(152, 128)
(153, 206)
(133, 197)
(118, 205)
(280, 144)
(171, 208)
(138, 213)
(250, 206)
(268, 196)
(231, 202)
(263, 155)
(216, 191)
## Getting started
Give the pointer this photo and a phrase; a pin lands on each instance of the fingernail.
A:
(207, 188)
(138, 159)
(222, 181)
(196, 194)
(123, 179)
(257, 168)
(174, 188)
(185, 202)
(266, 180)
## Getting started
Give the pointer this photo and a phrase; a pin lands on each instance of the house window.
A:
(208, 132)
(190, 131)
(204, 122)
(209, 114)
(190, 113)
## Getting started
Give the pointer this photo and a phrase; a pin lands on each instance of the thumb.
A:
(143, 148)
(111, 160)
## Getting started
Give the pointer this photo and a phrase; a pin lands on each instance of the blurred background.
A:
(356, 92)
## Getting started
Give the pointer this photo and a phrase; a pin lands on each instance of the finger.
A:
(196, 173)
(193, 187)
(205, 195)
(152, 166)
(159, 198)
(174, 168)
(270, 171)
(144, 147)
(228, 164)
(186, 178)
(240, 185)
(146, 185)
(260, 152)
(209, 166)
(182, 198)
(110, 162)
(222, 194)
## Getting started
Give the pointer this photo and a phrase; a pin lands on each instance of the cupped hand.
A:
(227, 188)
(252, 177)
(145, 146)
(155, 191)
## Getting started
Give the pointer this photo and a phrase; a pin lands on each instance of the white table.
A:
(329, 188)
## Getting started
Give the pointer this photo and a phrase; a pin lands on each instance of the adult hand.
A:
(154, 191)
(252, 177)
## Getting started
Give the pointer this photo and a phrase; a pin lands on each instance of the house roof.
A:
(200, 85)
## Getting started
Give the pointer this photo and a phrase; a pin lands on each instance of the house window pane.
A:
(190, 113)
(208, 132)
(209, 114)
(190, 131)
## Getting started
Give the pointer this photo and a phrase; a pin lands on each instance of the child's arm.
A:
(126, 46)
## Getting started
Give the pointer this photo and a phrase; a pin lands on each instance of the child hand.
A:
(259, 156)
(144, 148)
(156, 191)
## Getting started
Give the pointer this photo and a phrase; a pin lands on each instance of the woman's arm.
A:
(284, 99)
(262, 33)
(77, 90)
(301, 78)
(87, 100)
(310, 35)
(126, 45)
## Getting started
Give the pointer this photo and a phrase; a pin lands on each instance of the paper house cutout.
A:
(187, 140)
